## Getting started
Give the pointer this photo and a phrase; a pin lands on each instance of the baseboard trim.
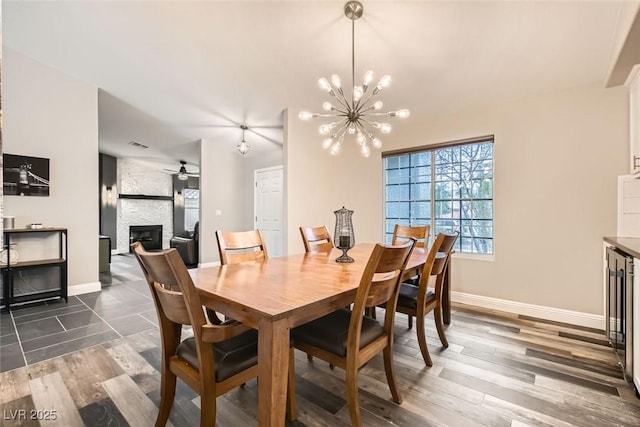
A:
(549, 313)
(209, 264)
(84, 288)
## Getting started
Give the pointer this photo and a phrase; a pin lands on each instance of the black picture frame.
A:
(25, 176)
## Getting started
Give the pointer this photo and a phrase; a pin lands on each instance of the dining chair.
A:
(241, 246)
(216, 359)
(236, 247)
(419, 232)
(418, 300)
(402, 233)
(348, 339)
(316, 239)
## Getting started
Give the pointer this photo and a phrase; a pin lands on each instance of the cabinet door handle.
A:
(635, 162)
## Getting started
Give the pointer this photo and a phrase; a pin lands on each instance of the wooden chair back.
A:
(316, 239)
(379, 285)
(241, 246)
(403, 232)
(170, 282)
(441, 262)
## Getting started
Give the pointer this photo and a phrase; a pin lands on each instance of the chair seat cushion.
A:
(330, 332)
(232, 356)
(408, 296)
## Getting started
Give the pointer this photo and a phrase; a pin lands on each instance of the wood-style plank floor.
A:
(499, 370)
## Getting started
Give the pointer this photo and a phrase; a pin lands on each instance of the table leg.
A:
(273, 366)
(446, 295)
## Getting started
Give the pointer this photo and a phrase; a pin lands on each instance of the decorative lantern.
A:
(343, 237)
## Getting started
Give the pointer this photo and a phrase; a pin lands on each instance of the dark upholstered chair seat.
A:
(331, 331)
(408, 296)
(232, 356)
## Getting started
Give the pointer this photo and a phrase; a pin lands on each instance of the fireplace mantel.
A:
(144, 197)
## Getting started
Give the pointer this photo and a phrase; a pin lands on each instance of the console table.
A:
(52, 268)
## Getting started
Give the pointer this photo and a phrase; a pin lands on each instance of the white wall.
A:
(52, 115)
(557, 157)
(317, 184)
(221, 187)
(137, 178)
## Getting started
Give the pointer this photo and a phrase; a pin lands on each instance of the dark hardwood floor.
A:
(95, 362)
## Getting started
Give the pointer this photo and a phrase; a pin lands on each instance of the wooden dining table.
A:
(278, 294)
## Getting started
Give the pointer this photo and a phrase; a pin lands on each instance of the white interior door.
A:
(268, 207)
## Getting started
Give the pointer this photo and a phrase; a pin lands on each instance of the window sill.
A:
(477, 257)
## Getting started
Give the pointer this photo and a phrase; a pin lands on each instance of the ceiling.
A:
(173, 73)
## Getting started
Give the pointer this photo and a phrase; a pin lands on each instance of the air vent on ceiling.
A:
(137, 144)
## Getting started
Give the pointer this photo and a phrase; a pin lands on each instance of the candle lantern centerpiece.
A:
(343, 237)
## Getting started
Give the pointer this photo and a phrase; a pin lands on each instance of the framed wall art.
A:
(25, 176)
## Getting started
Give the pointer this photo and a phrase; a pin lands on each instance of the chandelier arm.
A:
(366, 125)
(366, 110)
(330, 115)
(342, 113)
(377, 114)
(363, 103)
(342, 129)
(343, 100)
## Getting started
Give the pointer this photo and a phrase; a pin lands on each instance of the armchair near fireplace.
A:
(187, 246)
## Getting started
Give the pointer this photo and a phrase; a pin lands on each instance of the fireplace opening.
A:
(149, 235)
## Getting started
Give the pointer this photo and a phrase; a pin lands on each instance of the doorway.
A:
(268, 207)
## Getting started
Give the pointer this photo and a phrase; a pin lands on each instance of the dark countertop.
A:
(630, 245)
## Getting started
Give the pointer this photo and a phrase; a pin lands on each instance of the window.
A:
(191, 207)
(449, 187)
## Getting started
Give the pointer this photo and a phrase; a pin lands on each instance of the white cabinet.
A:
(633, 82)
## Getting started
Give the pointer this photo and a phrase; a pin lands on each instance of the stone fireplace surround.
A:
(138, 178)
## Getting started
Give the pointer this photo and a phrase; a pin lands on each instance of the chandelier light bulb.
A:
(306, 115)
(335, 79)
(384, 82)
(404, 113)
(401, 114)
(324, 84)
(355, 111)
(326, 128)
(243, 148)
(368, 78)
(357, 93)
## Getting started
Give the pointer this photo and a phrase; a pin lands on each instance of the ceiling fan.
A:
(183, 175)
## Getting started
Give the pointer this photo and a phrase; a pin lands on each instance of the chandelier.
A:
(355, 112)
(243, 146)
